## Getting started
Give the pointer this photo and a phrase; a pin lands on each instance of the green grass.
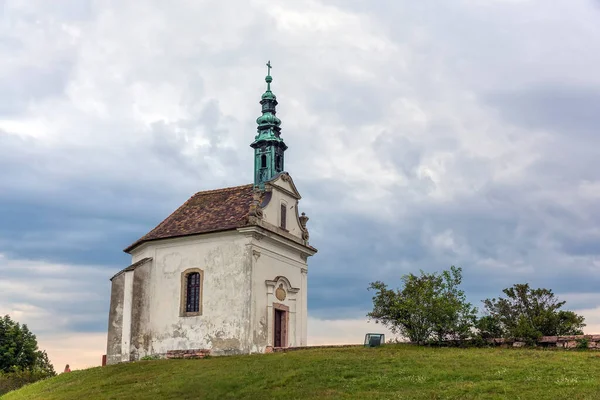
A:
(390, 372)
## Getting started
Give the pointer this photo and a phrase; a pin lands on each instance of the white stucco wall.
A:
(274, 259)
(283, 193)
(127, 305)
(224, 324)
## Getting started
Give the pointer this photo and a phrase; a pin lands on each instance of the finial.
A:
(268, 79)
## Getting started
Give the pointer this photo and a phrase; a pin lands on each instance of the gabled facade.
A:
(226, 272)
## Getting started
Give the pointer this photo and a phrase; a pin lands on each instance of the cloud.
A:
(53, 297)
(558, 109)
(420, 135)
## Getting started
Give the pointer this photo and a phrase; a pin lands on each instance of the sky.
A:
(421, 135)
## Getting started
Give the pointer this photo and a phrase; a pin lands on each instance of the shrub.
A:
(17, 379)
(582, 344)
(150, 357)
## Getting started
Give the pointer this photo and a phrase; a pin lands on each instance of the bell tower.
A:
(268, 145)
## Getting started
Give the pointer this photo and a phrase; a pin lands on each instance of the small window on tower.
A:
(278, 163)
(263, 161)
(283, 215)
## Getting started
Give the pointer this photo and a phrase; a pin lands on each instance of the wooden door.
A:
(278, 331)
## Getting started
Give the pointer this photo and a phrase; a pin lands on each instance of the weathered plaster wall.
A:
(127, 308)
(224, 326)
(280, 194)
(273, 259)
(140, 311)
(115, 321)
(282, 258)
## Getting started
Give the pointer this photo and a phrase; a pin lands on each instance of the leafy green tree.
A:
(428, 307)
(530, 313)
(489, 327)
(454, 317)
(19, 349)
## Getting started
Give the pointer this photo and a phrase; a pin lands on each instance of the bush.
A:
(150, 357)
(479, 341)
(15, 380)
(582, 344)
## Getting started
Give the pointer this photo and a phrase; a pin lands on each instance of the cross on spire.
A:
(269, 67)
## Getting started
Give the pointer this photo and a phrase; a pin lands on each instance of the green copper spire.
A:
(268, 145)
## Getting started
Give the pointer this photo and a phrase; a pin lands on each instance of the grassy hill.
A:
(390, 372)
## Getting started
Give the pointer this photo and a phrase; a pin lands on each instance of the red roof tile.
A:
(208, 211)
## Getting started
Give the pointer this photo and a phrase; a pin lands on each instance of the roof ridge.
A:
(227, 189)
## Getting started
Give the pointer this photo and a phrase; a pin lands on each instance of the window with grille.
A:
(283, 215)
(193, 292)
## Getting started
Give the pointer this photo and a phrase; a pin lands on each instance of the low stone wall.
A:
(195, 353)
(565, 342)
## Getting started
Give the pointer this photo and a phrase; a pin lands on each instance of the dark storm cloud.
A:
(498, 224)
(571, 111)
(584, 244)
(74, 296)
(48, 215)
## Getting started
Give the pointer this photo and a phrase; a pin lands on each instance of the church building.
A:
(225, 273)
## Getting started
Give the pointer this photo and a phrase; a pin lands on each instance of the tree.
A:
(19, 349)
(530, 313)
(489, 327)
(429, 306)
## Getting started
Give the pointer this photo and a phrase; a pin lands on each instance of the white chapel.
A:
(225, 273)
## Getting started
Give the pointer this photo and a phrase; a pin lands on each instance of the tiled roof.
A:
(209, 211)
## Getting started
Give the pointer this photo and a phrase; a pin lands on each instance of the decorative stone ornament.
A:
(255, 210)
(280, 293)
(303, 220)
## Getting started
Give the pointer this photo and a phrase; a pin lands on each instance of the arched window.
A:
(191, 292)
(263, 161)
(283, 215)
